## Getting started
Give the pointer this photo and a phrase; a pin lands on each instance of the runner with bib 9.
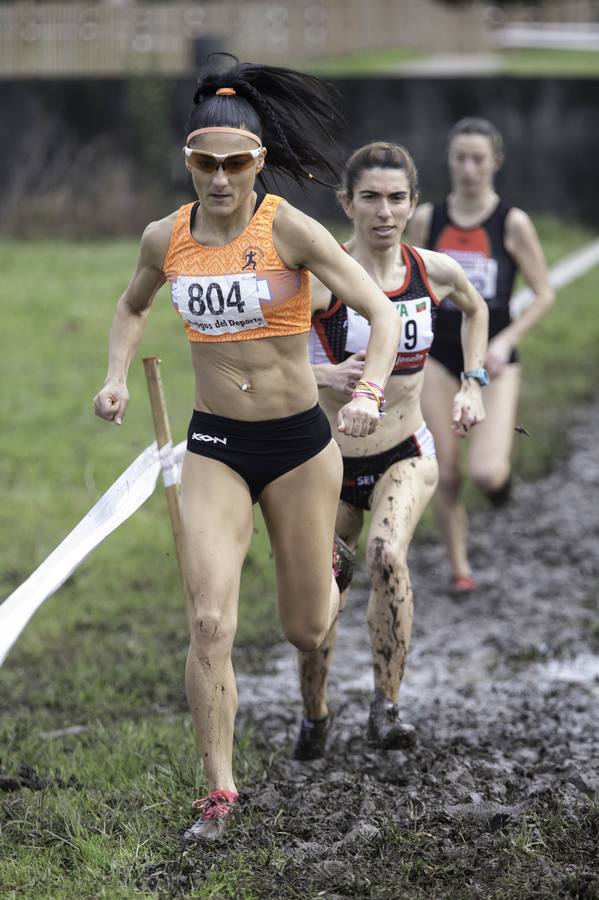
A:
(238, 264)
(393, 472)
(492, 241)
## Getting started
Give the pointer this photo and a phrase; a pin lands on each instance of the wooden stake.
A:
(163, 439)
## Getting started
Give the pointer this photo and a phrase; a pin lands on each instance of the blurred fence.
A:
(102, 157)
(169, 38)
(548, 36)
(549, 11)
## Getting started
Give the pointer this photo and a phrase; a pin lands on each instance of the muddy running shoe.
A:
(216, 816)
(312, 739)
(343, 564)
(385, 728)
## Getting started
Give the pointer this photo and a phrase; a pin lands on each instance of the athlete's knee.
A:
(450, 483)
(306, 635)
(386, 562)
(211, 628)
(489, 475)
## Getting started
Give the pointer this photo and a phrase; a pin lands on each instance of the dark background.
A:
(102, 157)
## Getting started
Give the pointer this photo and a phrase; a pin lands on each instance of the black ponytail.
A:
(298, 116)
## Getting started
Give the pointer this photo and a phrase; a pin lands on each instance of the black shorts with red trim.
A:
(361, 473)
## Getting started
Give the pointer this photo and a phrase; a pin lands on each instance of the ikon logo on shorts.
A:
(208, 438)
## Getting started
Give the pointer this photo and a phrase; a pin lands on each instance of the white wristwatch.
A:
(480, 375)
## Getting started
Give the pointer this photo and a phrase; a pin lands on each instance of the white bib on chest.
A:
(220, 304)
(481, 271)
(416, 331)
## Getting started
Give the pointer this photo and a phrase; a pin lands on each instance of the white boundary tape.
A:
(566, 270)
(137, 483)
(119, 502)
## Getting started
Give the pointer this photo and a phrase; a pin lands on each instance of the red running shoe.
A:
(463, 584)
(216, 816)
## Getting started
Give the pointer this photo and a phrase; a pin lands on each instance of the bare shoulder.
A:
(298, 238)
(520, 237)
(155, 240)
(440, 267)
(423, 213)
(419, 225)
(291, 222)
(518, 222)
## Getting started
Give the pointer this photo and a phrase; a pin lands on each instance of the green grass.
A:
(107, 651)
(582, 63)
(374, 62)
(513, 62)
(99, 824)
(560, 358)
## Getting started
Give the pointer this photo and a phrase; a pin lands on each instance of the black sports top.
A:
(339, 331)
(482, 254)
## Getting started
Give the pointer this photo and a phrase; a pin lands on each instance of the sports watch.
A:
(480, 375)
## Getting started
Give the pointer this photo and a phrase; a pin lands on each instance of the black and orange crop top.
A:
(339, 331)
(238, 292)
(482, 254)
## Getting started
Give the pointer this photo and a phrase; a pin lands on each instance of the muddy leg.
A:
(398, 502)
(437, 397)
(315, 665)
(217, 518)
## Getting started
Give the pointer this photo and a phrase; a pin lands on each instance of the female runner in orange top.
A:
(491, 240)
(238, 266)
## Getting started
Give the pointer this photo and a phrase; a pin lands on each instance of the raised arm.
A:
(129, 321)
(301, 241)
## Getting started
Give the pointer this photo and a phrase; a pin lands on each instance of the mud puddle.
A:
(503, 689)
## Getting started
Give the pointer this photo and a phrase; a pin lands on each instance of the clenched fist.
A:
(111, 402)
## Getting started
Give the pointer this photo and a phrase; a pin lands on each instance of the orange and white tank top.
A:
(238, 292)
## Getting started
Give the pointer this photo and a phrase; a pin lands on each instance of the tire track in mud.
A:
(502, 687)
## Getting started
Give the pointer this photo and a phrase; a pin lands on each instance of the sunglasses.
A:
(232, 163)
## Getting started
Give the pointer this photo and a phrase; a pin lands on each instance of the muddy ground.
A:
(499, 798)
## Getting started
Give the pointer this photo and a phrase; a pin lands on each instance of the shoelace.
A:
(216, 804)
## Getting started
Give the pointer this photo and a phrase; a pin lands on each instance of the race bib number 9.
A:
(416, 332)
(218, 304)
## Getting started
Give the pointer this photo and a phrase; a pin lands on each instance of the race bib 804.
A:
(219, 304)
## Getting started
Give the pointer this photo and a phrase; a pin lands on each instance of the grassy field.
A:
(107, 652)
(512, 62)
(581, 63)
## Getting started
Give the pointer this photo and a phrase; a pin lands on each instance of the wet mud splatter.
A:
(502, 686)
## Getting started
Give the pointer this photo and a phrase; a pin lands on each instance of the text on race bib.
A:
(219, 304)
(481, 271)
(416, 332)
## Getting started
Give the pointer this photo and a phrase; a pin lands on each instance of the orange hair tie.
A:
(226, 92)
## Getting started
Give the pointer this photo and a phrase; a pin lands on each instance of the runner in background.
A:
(237, 263)
(393, 472)
(492, 241)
